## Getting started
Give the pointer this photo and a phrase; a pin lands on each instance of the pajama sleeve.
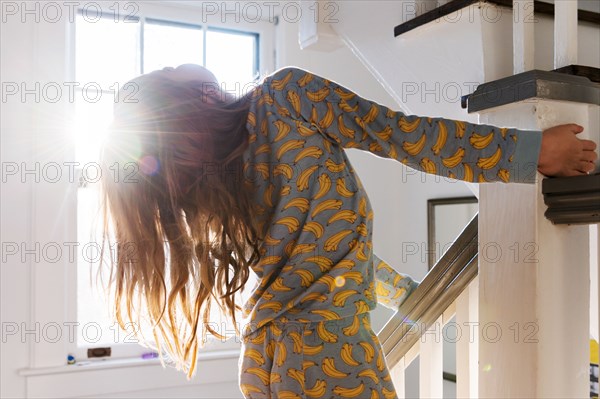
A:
(445, 147)
(391, 287)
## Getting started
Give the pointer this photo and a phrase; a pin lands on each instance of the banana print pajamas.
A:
(306, 331)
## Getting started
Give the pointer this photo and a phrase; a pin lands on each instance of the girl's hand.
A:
(563, 154)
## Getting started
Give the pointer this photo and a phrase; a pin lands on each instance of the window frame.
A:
(171, 15)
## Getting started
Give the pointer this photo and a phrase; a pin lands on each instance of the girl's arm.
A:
(391, 287)
(450, 148)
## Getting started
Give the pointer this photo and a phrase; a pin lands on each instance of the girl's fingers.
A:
(589, 156)
(585, 166)
(588, 145)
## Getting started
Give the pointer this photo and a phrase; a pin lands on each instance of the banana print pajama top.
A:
(306, 331)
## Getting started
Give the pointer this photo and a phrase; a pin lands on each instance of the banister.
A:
(442, 285)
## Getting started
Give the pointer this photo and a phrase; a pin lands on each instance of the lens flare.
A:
(149, 165)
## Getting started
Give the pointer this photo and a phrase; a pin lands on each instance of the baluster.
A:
(523, 38)
(565, 33)
(431, 362)
(397, 373)
(466, 347)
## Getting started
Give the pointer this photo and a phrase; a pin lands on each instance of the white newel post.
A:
(533, 279)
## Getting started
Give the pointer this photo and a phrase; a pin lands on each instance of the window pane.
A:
(90, 124)
(106, 51)
(231, 56)
(170, 45)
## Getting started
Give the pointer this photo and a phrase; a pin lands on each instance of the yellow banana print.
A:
(252, 118)
(249, 389)
(280, 84)
(491, 161)
(273, 305)
(333, 242)
(324, 186)
(371, 115)
(361, 307)
(329, 281)
(344, 95)
(346, 355)
(312, 151)
(342, 189)
(369, 351)
(468, 175)
(328, 118)
(285, 190)
(344, 106)
(453, 160)
(341, 297)
(480, 142)
(263, 149)
(317, 390)
(323, 262)
(302, 249)
(314, 296)
(428, 165)
(306, 79)
(385, 134)
(328, 367)
(326, 205)
(279, 286)
(255, 355)
(344, 130)
(349, 392)
(353, 328)
(314, 227)
(326, 335)
(313, 350)
(260, 373)
(263, 169)
(294, 99)
(265, 99)
(408, 127)
(297, 375)
(441, 139)
(281, 354)
(369, 373)
(283, 169)
(504, 175)
(355, 276)
(268, 195)
(388, 394)
(301, 203)
(461, 127)
(345, 214)
(282, 129)
(335, 167)
(290, 222)
(303, 130)
(380, 364)
(416, 147)
(303, 179)
(319, 95)
(288, 146)
(362, 207)
(314, 116)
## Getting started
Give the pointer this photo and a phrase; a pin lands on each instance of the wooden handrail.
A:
(449, 277)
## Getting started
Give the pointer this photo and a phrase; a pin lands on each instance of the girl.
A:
(262, 182)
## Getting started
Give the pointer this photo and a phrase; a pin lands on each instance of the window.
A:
(107, 54)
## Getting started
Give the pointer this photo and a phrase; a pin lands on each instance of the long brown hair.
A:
(183, 223)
